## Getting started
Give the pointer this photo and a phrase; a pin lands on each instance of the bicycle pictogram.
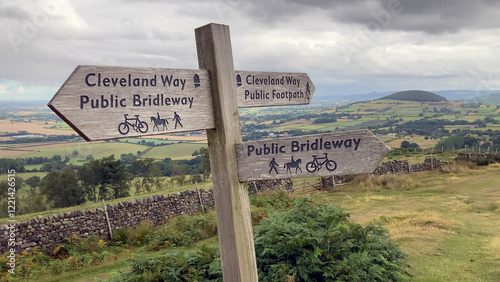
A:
(138, 125)
(317, 163)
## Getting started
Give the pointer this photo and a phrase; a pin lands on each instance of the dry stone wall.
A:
(478, 156)
(270, 185)
(403, 166)
(390, 167)
(46, 232)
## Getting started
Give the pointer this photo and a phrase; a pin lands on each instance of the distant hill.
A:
(464, 95)
(415, 95)
(453, 95)
(22, 103)
(492, 99)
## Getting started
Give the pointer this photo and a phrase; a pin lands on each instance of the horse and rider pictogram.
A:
(141, 126)
(293, 164)
(159, 121)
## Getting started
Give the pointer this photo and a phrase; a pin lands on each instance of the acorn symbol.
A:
(238, 80)
(196, 79)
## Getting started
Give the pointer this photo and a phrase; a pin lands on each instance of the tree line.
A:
(434, 128)
(106, 178)
(42, 138)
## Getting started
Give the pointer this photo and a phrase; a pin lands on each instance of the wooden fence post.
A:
(199, 196)
(107, 220)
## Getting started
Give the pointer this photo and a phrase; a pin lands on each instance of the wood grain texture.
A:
(231, 198)
(95, 99)
(312, 155)
(260, 89)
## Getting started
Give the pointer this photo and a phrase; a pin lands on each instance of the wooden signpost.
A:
(260, 89)
(231, 197)
(342, 153)
(102, 102)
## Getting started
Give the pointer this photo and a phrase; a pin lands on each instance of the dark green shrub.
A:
(265, 203)
(272, 199)
(183, 231)
(133, 235)
(88, 245)
(482, 161)
(319, 243)
(202, 265)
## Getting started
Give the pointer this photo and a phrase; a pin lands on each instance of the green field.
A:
(97, 150)
(180, 151)
(138, 140)
(32, 167)
(396, 143)
(26, 175)
(306, 126)
(486, 109)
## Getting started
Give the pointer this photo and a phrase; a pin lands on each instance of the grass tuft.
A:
(495, 244)
(372, 182)
(408, 224)
(133, 235)
(458, 167)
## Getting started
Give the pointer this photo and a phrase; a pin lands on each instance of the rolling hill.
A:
(415, 95)
(492, 99)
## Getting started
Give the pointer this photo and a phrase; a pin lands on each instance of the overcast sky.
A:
(346, 47)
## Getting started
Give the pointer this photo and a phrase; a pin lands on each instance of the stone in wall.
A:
(327, 182)
(393, 167)
(270, 185)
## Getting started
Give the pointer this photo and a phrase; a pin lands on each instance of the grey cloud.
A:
(446, 15)
(14, 13)
(429, 16)
(272, 35)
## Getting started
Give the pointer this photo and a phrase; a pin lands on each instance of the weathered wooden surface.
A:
(313, 155)
(258, 89)
(95, 99)
(231, 198)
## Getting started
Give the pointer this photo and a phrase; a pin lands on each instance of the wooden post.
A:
(255, 187)
(199, 196)
(230, 196)
(107, 220)
(432, 165)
